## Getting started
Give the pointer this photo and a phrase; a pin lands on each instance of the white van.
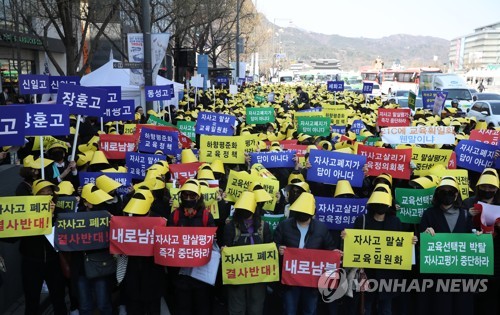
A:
(449, 82)
(285, 77)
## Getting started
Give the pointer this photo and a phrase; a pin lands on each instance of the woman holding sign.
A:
(446, 216)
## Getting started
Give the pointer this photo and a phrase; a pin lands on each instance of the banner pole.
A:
(75, 140)
(42, 168)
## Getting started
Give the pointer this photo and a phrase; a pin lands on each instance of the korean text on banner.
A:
(83, 100)
(475, 156)
(273, 159)
(215, 124)
(34, 84)
(418, 135)
(339, 213)
(47, 119)
(183, 246)
(123, 178)
(456, 253)
(183, 140)
(259, 116)
(250, 264)
(303, 267)
(67, 203)
(12, 122)
(413, 203)
(226, 148)
(121, 110)
(82, 231)
(382, 160)
(486, 136)
(115, 147)
(152, 140)
(159, 92)
(55, 80)
(328, 167)
(462, 177)
(314, 126)
(133, 236)
(138, 163)
(429, 98)
(425, 158)
(25, 216)
(188, 129)
(393, 117)
(240, 181)
(378, 249)
(273, 220)
(152, 120)
(184, 171)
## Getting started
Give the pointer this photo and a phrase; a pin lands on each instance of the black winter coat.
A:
(317, 237)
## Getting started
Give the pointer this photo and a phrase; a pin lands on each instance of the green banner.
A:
(456, 253)
(152, 120)
(188, 129)
(413, 203)
(273, 220)
(314, 126)
(412, 99)
(259, 116)
(259, 99)
(372, 140)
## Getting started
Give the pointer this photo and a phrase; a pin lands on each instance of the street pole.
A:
(237, 40)
(146, 31)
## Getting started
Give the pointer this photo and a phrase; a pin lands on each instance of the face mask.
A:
(57, 155)
(189, 204)
(483, 194)
(292, 196)
(300, 216)
(379, 209)
(445, 198)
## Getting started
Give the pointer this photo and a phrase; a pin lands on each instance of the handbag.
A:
(99, 264)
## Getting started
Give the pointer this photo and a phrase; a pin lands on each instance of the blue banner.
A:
(335, 86)
(138, 163)
(47, 120)
(474, 155)
(124, 178)
(34, 84)
(12, 121)
(56, 80)
(428, 98)
(249, 79)
(119, 111)
(337, 129)
(215, 124)
(241, 81)
(328, 167)
(367, 88)
(83, 100)
(273, 159)
(223, 80)
(357, 126)
(339, 213)
(153, 140)
(159, 92)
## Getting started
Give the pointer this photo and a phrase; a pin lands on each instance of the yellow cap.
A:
(305, 204)
(343, 188)
(66, 188)
(261, 195)
(425, 182)
(106, 183)
(380, 197)
(192, 187)
(246, 201)
(205, 174)
(93, 195)
(187, 156)
(40, 184)
(84, 158)
(140, 203)
(488, 177)
(387, 177)
(99, 158)
(54, 145)
(28, 161)
(449, 181)
(218, 166)
(295, 177)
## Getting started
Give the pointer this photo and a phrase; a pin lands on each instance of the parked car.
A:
(487, 110)
(401, 97)
(488, 96)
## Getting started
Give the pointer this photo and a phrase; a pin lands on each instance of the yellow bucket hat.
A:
(343, 188)
(66, 188)
(140, 203)
(40, 184)
(93, 195)
(106, 183)
(246, 201)
(305, 204)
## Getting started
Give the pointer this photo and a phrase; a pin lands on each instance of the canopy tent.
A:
(109, 76)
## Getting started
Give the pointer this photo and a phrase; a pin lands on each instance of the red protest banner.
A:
(115, 147)
(183, 246)
(133, 236)
(183, 140)
(486, 136)
(393, 117)
(303, 267)
(301, 149)
(452, 164)
(182, 172)
(382, 160)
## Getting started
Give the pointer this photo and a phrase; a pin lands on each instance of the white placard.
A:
(418, 135)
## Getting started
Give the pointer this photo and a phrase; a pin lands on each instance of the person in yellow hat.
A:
(294, 190)
(301, 230)
(30, 171)
(246, 228)
(110, 186)
(487, 188)
(61, 169)
(40, 262)
(188, 292)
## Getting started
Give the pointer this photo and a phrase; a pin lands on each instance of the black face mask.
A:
(483, 194)
(379, 208)
(57, 155)
(292, 196)
(300, 216)
(445, 198)
(189, 204)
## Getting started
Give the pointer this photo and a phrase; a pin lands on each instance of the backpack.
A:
(238, 234)
(206, 216)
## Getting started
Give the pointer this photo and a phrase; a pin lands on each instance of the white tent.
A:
(109, 76)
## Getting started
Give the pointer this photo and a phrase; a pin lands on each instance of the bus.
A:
(407, 79)
(371, 75)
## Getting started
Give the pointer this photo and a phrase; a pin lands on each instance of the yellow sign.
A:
(308, 114)
(250, 264)
(25, 216)
(128, 129)
(378, 249)
(239, 182)
(209, 197)
(249, 143)
(47, 141)
(425, 158)
(337, 113)
(229, 149)
(462, 177)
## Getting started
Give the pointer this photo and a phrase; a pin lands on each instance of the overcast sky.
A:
(446, 19)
